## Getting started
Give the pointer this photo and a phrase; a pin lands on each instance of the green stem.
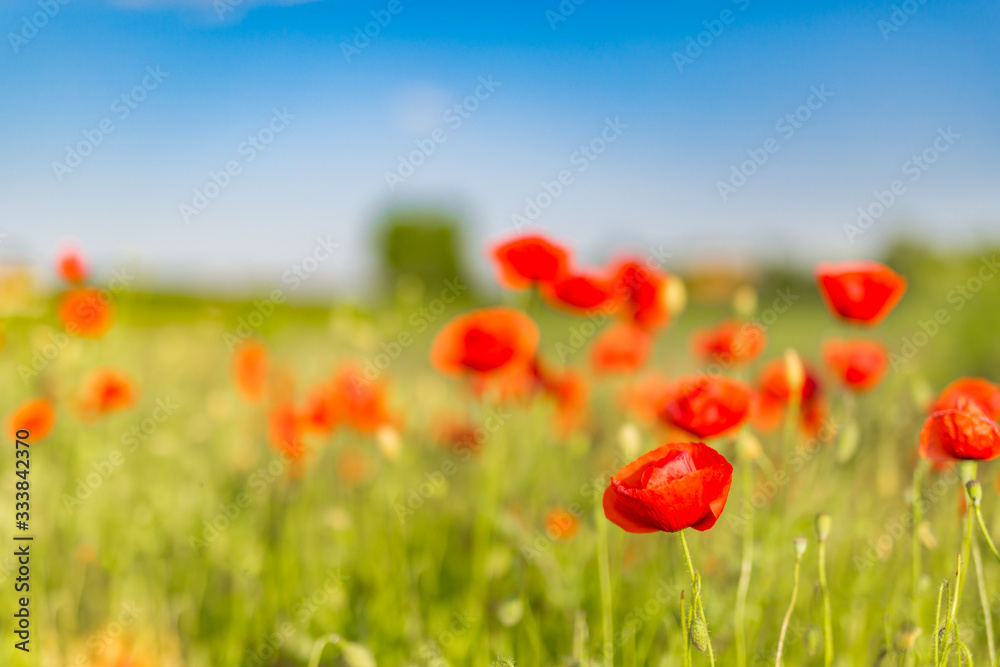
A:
(746, 567)
(986, 534)
(696, 600)
(602, 564)
(686, 642)
(827, 620)
(918, 517)
(977, 561)
(317, 650)
(937, 618)
(791, 608)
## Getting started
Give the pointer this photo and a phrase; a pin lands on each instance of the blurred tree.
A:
(420, 245)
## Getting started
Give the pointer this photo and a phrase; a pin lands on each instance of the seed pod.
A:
(823, 525)
(698, 634)
(800, 542)
(975, 491)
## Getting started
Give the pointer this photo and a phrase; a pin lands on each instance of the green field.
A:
(173, 533)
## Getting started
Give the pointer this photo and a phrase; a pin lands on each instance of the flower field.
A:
(628, 464)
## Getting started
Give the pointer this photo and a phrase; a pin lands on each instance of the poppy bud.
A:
(388, 441)
(748, 446)
(847, 443)
(629, 440)
(698, 634)
(975, 491)
(800, 542)
(823, 525)
(795, 372)
(675, 296)
(906, 637)
(745, 301)
(510, 611)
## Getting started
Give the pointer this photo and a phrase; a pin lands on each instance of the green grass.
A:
(437, 558)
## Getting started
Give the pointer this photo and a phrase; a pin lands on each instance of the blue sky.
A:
(892, 83)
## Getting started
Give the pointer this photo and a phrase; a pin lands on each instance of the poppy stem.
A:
(746, 567)
(982, 527)
(799, 550)
(918, 517)
(977, 562)
(602, 564)
(687, 557)
(967, 471)
(685, 644)
(696, 604)
(823, 530)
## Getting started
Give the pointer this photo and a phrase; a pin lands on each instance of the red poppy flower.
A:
(485, 341)
(561, 524)
(774, 393)
(529, 259)
(71, 266)
(571, 394)
(35, 416)
(643, 294)
(706, 405)
(731, 342)
(673, 487)
(286, 431)
(459, 434)
(860, 292)
(644, 397)
(622, 348)
(250, 369)
(963, 433)
(363, 403)
(859, 364)
(322, 411)
(106, 391)
(982, 392)
(86, 312)
(578, 293)
(352, 467)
